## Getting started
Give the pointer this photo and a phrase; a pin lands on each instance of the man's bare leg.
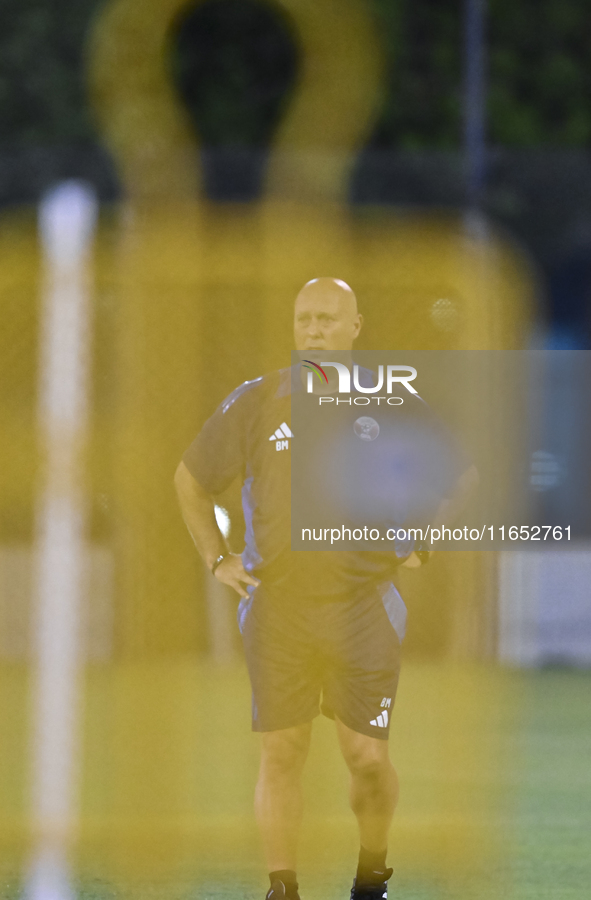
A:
(374, 786)
(278, 795)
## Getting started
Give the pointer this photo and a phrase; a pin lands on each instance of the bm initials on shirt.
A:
(281, 436)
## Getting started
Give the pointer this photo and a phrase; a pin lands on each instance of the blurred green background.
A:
(235, 60)
(239, 52)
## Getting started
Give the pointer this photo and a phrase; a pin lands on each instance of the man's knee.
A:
(366, 757)
(284, 752)
(368, 765)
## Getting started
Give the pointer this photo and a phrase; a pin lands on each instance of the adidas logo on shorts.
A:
(281, 437)
(382, 720)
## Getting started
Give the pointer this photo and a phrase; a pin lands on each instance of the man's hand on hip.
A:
(413, 561)
(231, 572)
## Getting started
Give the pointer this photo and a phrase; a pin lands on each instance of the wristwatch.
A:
(221, 557)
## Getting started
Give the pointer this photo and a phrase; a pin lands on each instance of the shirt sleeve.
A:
(217, 455)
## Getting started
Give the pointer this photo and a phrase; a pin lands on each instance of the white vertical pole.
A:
(520, 577)
(67, 219)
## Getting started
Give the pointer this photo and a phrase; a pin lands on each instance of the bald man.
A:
(310, 629)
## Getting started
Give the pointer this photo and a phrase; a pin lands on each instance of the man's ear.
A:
(359, 324)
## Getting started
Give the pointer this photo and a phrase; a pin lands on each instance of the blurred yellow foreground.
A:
(189, 300)
(168, 766)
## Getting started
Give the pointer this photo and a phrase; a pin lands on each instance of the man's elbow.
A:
(184, 482)
(186, 485)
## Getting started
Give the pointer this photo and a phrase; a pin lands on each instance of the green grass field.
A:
(485, 812)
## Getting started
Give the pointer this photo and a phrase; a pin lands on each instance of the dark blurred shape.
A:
(540, 76)
(570, 299)
(423, 42)
(409, 177)
(42, 71)
(26, 172)
(235, 64)
(559, 472)
(47, 132)
(233, 173)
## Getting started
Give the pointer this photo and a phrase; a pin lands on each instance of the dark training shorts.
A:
(346, 651)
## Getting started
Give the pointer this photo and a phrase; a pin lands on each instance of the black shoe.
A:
(374, 890)
(277, 891)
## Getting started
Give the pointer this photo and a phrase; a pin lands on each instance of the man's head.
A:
(326, 321)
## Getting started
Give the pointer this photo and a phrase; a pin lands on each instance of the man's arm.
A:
(450, 507)
(198, 510)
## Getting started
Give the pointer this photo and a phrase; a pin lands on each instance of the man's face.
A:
(325, 325)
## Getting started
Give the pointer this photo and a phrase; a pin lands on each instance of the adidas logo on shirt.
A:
(281, 437)
(382, 720)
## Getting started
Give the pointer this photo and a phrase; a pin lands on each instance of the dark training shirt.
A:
(250, 436)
